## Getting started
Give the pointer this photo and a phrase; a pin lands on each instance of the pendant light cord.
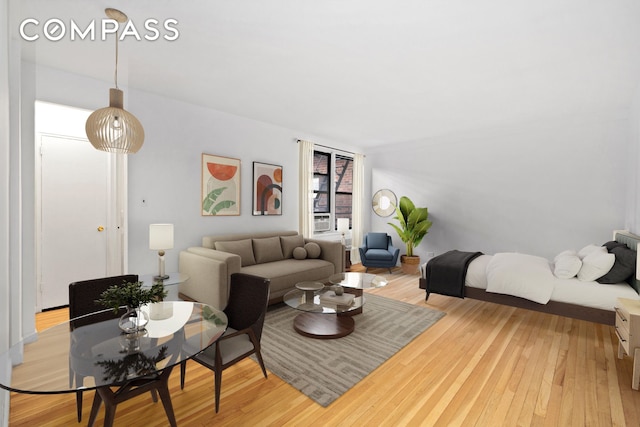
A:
(116, 72)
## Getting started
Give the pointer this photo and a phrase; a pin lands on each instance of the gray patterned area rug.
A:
(325, 369)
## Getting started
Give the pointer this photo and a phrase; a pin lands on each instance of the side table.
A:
(347, 258)
(170, 284)
(628, 332)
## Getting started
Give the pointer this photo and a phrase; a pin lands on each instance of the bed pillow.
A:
(613, 244)
(567, 266)
(565, 253)
(582, 253)
(623, 267)
(595, 265)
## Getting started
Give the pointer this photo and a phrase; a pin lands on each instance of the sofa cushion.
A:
(243, 248)
(377, 241)
(379, 255)
(313, 250)
(300, 253)
(267, 250)
(289, 243)
(286, 273)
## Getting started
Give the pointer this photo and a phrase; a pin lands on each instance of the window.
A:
(332, 186)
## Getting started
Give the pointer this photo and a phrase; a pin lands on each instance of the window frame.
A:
(332, 192)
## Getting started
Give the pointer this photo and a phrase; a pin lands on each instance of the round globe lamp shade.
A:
(113, 129)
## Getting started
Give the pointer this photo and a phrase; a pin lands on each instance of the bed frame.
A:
(552, 307)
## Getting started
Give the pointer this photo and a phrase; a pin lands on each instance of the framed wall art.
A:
(220, 185)
(267, 189)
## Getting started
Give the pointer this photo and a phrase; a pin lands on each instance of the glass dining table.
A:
(88, 353)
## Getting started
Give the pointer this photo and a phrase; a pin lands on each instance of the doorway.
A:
(80, 214)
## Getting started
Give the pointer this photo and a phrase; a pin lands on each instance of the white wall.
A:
(166, 173)
(166, 170)
(538, 187)
(633, 198)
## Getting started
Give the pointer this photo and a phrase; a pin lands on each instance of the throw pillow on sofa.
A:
(300, 253)
(267, 250)
(313, 250)
(289, 243)
(243, 248)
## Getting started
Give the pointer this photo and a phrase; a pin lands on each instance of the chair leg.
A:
(390, 272)
(261, 362)
(183, 373)
(97, 402)
(79, 404)
(218, 384)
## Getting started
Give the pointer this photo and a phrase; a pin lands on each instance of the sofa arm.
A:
(331, 251)
(209, 274)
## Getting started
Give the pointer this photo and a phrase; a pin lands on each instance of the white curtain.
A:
(358, 206)
(305, 196)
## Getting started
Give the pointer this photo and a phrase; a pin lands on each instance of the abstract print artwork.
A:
(267, 189)
(220, 185)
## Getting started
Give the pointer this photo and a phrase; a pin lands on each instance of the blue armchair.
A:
(378, 251)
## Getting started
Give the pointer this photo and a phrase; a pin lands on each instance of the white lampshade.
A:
(160, 236)
(343, 225)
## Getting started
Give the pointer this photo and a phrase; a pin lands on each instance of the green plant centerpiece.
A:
(132, 295)
(414, 225)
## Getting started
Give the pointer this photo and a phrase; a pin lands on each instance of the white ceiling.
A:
(367, 72)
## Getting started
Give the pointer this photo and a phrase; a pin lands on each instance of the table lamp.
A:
(161, 239)
(343, 227)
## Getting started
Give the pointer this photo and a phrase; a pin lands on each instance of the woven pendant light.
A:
(113, 129)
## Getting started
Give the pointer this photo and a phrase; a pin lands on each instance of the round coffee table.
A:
(356, 283)
(320, 319)
(325, 319)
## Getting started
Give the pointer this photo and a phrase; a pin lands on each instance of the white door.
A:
(74, 216)
(80, 232)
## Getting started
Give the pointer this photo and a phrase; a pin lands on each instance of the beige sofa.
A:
(267, 254)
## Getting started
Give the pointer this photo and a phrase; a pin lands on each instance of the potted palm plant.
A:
(414, 225)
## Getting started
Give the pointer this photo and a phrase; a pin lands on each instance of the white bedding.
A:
(573, 291)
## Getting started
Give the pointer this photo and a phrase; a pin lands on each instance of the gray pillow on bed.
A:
(623, 268)
(613, 244)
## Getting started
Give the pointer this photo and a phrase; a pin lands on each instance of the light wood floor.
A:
(481, 365)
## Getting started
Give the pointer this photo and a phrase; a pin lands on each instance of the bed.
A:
(529, 282)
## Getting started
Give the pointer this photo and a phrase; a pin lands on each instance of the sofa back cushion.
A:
(210, 240)
(267, 250)
(289, 243)
(377, 241)
(243, 248)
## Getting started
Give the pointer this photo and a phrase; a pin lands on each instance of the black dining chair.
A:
(82, 301)
(245, 310)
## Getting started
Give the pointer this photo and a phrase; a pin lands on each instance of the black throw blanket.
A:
(446, 273)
